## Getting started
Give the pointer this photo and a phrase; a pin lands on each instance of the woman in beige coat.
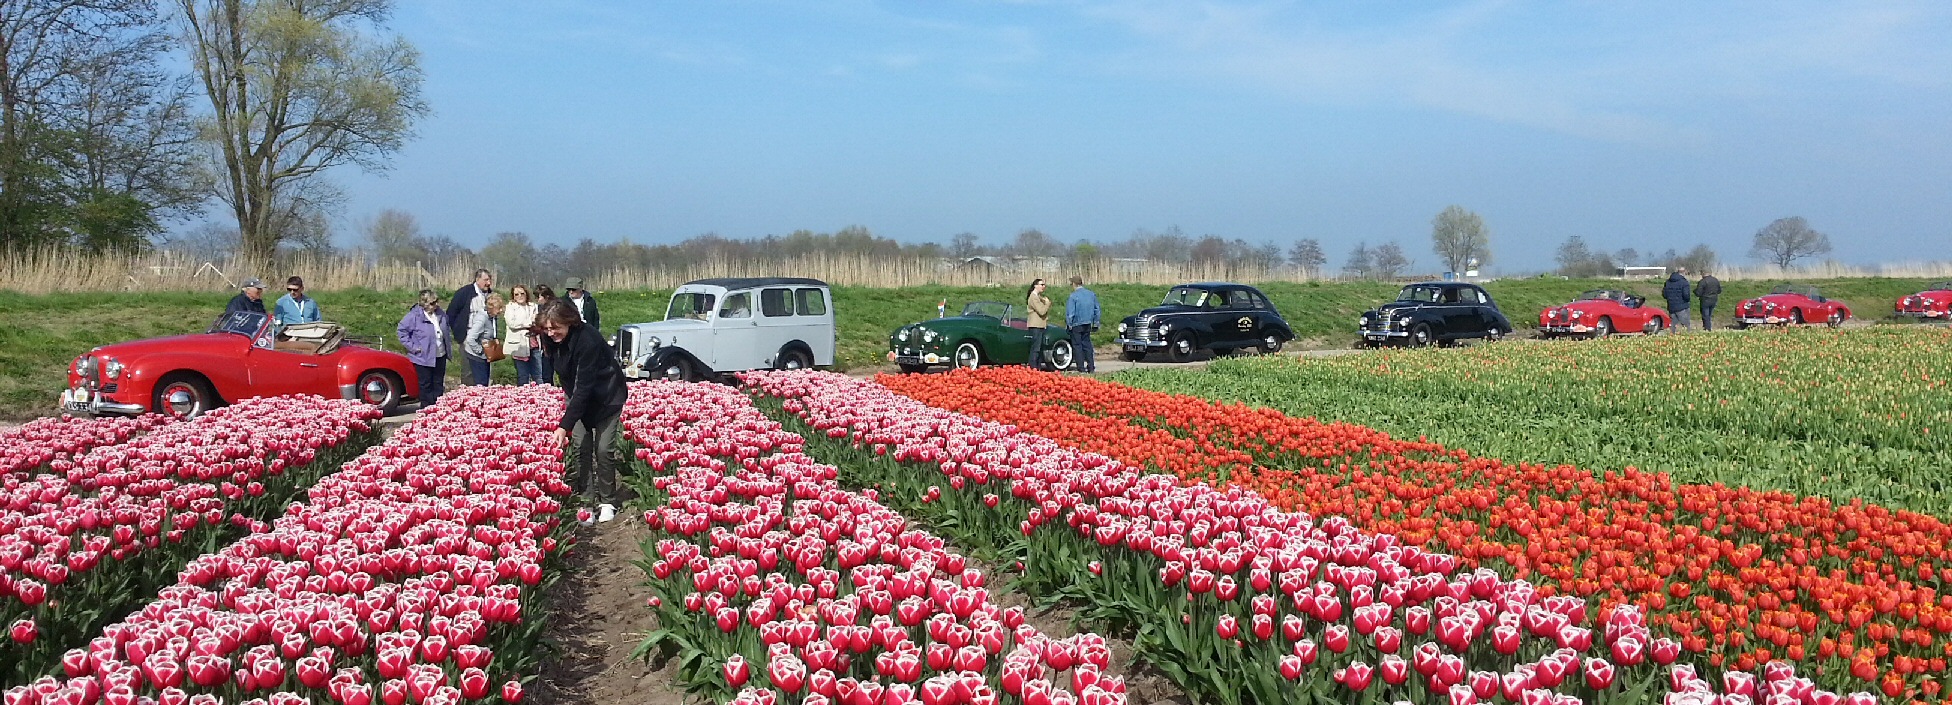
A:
(1040, 311)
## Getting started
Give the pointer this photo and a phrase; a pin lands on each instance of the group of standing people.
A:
(547, 337)
(1677, 292)
(1081, 318)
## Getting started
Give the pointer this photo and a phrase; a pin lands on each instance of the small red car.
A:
(238, 357)
(1600, 313)
(1934, 303)
(1787, 304)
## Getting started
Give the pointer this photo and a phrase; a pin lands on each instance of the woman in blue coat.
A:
(423, 332)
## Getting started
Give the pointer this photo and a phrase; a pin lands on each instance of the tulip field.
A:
(817, 539)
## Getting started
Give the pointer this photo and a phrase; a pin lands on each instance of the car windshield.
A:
(1798, 289)
(244, 323)
(1425, 294)
(987, 309)
(691, 304)
(1603, 295)
(1940, 286)
(1187, 296)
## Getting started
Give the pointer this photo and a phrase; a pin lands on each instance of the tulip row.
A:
(1237, 599)
(101, 530)
(30, 447)
(768, 565)
(1739, 576)
(409, 574)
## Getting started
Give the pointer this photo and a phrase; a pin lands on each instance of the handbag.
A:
(492, 350)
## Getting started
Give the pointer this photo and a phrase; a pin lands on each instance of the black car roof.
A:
(749, 282)
(1447, 285)
(1216, 286)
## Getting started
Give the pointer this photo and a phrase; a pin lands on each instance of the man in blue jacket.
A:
(1081, 317)
(1676, 293)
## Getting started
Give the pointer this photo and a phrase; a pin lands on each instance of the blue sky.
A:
(1642, 124)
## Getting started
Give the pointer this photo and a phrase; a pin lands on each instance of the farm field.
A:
(1738, 576)
(46, 332)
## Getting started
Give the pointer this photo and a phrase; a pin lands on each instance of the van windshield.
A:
(691, 304)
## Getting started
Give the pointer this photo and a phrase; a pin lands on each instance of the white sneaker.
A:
(605, 512)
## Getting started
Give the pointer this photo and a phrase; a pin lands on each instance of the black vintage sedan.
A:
(1216, 316)
(1434, 312)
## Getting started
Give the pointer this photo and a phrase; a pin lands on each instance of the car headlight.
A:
(1363, 321)
(902, 335)
(1403, 321)
(652, 341)
(1168, 328)
(1577, 314)
(1121, 327)
(112, 368)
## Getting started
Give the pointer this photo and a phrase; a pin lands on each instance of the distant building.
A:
(1642, 272)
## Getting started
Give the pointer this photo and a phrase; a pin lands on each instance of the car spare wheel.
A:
(183, 395)
(1060, 355)
(969, 355)
(382, 389)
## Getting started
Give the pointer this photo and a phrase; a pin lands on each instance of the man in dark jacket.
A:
(250, 297)
(1707, 290)
(1676, 293)
(466, 300)
(585, 303)
(593, 381)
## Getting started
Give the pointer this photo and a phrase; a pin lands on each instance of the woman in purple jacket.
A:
(423, 332)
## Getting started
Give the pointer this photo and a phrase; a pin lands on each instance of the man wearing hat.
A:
(250, 298)
(585, 303)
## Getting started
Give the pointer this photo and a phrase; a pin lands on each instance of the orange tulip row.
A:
(1738, 575)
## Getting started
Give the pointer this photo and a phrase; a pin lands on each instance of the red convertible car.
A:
(1934, 303)
(1600, 313)
(1790, 303)
(238, 357)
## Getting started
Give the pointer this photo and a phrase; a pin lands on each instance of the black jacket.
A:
(457, 308)
(589, 310)
(1676, 292)
(593, 381)
(240, 302)
(1708, 289)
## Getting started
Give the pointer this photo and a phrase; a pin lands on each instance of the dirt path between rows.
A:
(596, 618)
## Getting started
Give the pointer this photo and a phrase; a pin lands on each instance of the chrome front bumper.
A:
(1922, 314)
(911, 356)
(1384, 334)
(1761, 320)
(1566, 329)
(1136, 344)
(82, 401)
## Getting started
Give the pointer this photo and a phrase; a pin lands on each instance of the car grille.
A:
(1379, 323)
(1913, 303)
(1142, 330)
(1754, 309)
(1559, 316)
(626, 345)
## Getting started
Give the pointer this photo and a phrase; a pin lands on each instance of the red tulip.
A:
(1393, 669)
(1291, 666)
(24, 631)
(1356, 677)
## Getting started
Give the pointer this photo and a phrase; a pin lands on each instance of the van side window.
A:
(774, 303)
(813, 302)
(737, 306)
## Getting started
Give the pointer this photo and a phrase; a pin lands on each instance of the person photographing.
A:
(593, 384)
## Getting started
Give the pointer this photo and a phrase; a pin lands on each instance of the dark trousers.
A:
(433, 381)
(1680, 316)
(544, 364)
(478, 371)
(594, 474)
(529, 371)
(1087, 361)
(1036, 348)
(1707, 314)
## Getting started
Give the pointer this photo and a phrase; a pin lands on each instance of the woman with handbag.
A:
(483, 345)
(521, 346)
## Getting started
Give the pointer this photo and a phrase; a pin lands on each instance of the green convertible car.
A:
(987, 333)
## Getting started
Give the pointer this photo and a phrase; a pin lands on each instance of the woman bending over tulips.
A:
(594, 385)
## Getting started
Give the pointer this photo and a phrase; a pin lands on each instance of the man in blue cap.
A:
(250, 297)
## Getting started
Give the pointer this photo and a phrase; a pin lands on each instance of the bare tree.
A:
(1787, 240)
(1361, 263)
(394, 236)
(965, 245)
(1461, 240)
(1306, 255)
(295, 89)
(1388, 260)
(1032, 242)
(1574, 257)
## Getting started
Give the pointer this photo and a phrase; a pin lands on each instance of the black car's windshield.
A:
(987, 309)
(1424, 294)
(1188, 296)
(244, 323)
(691, 304)
(1603, 295)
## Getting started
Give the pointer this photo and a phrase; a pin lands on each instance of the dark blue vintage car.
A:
(1443, 313)
(1217, 316)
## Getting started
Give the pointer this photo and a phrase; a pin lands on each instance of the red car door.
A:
(275, 373)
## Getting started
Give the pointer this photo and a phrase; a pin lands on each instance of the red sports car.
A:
(1934, 303)
(1791, 303)
(1600, 313)
(238, 357)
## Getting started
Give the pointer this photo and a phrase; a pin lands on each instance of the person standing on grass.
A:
(249, 298)
(423, 332)
(1081, 317)
(483, 327)
(593, 384)
(544, 295)
(1707, 291)
(585, 304)
(1676, 293)
(1039, 306)
(520, 317)
(467, 300)
(295, 307)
